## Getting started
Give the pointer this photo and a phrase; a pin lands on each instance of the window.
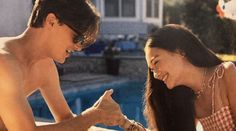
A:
(156, 8)
(149, 8)
(152, 8)
(128, 8)
(120, 8)
(111, 8)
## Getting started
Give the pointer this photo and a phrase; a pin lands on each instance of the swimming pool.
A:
(127, 93)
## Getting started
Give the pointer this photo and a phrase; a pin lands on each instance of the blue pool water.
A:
(128, 94)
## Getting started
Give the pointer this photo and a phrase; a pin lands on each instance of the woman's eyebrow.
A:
(153, 58)
(226, 1)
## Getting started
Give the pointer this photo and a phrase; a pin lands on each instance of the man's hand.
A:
(109, 110)
(110, 113)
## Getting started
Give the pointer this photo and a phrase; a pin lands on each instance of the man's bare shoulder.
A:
(3, 42)
(6, 58)
(10, 71)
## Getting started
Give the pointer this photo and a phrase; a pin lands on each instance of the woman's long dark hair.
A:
(173, 110)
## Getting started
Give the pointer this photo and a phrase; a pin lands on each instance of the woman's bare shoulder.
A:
(229, 75)
(230, 69)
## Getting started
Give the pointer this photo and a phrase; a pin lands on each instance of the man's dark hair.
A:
(79, 15)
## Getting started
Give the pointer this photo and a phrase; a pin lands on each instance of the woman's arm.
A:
(198, 125)
(230, 79)
(131, 125)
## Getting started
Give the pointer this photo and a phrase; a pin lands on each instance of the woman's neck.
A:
(197, 77)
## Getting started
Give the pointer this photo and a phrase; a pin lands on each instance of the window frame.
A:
(153, 19)
(121, 18)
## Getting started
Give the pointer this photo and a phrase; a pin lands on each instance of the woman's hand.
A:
(130, 125)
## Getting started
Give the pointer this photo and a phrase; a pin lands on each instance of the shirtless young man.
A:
(56, 28)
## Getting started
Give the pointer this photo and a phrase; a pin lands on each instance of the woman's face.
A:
(165, 65)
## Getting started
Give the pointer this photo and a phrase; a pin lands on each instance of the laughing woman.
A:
(187, 83)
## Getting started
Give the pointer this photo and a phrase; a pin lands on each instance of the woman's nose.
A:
(77, 47)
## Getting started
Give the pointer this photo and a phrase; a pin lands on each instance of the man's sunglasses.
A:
(83, 40)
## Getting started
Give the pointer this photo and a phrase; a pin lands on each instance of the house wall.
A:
(14, 15)
(121, 25)
(124, 28)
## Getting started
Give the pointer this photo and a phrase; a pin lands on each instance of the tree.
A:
(202, 18)
(173, 12)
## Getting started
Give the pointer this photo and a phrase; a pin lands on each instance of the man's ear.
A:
(50, 20)
(182, 53)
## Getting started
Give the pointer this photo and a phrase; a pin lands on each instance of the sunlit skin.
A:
(170, 67)
(159, 62)
(174, 69)
(27, 65)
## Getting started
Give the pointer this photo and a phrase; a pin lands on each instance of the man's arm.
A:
(79, 123)
(51, 91)
(53, 95)
(14, 109)
(17, 115)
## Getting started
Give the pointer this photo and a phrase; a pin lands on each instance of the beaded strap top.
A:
(222, 119)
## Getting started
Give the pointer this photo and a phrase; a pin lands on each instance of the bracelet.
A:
(126, 123)
(131, 125)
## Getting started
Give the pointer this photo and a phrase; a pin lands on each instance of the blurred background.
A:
(116, 60)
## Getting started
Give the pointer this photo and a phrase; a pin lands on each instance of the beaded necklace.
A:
(200, 92)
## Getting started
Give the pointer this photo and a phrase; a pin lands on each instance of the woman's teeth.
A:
(164, 78)
(69, 51)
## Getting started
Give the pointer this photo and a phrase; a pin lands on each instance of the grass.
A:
(227, 57)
